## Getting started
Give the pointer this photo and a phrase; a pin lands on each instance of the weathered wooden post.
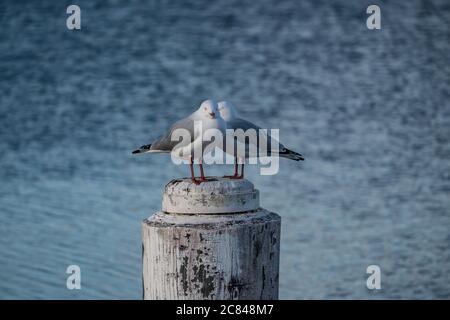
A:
(211, 241)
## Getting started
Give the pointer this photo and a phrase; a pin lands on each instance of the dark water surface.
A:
(369, 109)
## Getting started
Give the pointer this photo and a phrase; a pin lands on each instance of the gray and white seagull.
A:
(233, 121)
(208, 114)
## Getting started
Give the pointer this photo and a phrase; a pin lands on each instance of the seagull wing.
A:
(165, 143)
(239, 123)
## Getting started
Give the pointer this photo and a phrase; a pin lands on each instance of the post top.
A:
(214, 185)
(215, 196)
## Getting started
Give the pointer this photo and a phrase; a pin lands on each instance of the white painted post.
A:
(211, 241)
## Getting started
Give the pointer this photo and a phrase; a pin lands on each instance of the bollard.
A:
(211, 241)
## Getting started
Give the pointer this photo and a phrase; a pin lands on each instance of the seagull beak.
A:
(212, 114)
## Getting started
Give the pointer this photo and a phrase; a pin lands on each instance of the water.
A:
(369, 110)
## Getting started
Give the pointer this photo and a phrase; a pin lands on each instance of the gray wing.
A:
(165, 142)
(243, 124)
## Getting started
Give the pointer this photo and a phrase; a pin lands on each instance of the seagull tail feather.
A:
(289, 154)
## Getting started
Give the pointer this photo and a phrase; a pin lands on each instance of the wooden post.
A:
(211, 241)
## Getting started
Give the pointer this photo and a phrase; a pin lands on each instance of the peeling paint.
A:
(232, 255)
(183, 271)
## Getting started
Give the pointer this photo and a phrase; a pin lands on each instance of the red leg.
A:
(202, 174)
(191, 165)
(242, 172)
(235, 168)
(235, 175)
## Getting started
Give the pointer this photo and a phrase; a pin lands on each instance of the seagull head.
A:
(208, 109)
(227, 110)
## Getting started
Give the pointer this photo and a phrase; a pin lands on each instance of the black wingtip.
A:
(144, 148)
(292, 155)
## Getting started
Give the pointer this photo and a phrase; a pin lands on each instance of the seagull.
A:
(208, 114)
(229, 113)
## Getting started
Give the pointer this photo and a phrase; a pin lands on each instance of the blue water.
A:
(369, 109)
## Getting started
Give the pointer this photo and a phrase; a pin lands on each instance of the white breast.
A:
(197, 147)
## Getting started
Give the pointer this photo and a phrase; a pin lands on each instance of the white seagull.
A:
(229, 113)
(208, 114)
